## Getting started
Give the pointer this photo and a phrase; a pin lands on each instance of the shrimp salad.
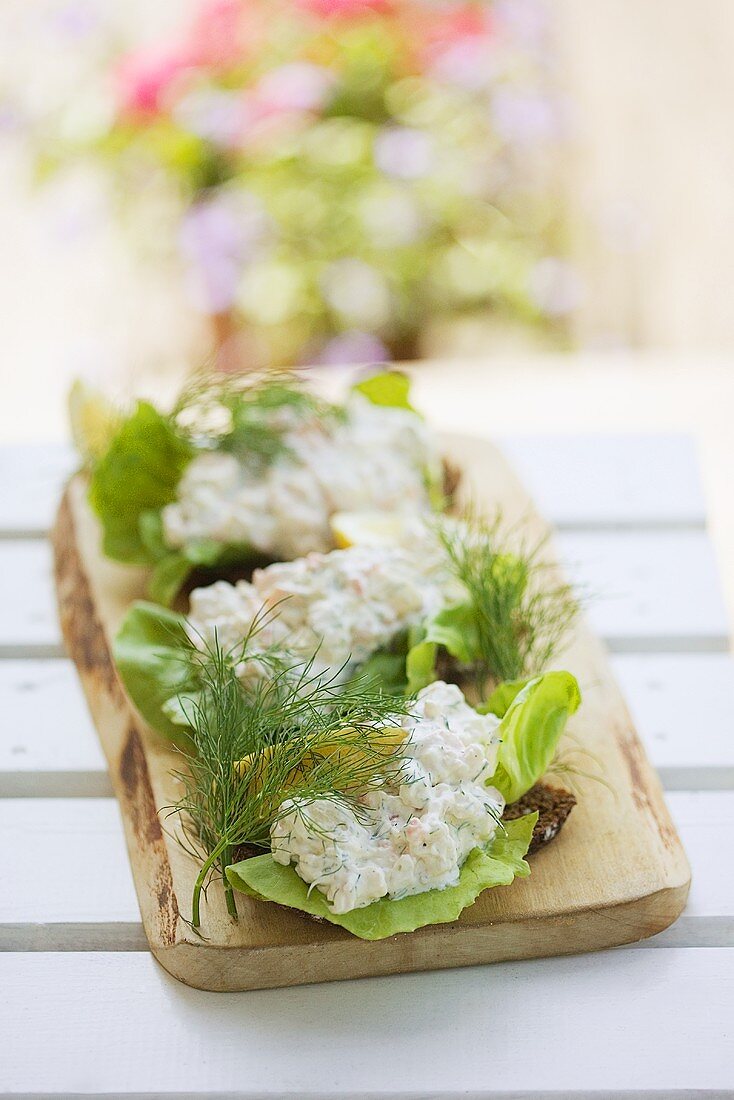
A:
(336, 609)
(374, 458)
(410, 837)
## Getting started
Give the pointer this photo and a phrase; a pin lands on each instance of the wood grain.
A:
(615, 875)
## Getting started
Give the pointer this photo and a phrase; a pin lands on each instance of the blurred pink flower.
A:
(345, 8)
(220, 31)
(458, 39)
(465, 21)
(144, 78)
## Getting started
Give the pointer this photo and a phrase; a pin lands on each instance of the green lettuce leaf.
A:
(168, 577)
(530, 731)
(173, 567)
(149, 652)
(138, 474)
(500, 699)
(454, 628)
(420, 666)
(496, 865)
(390, 389)
(385, 669)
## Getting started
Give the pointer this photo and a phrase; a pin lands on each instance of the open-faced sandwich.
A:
(246, 469)
(362, 730)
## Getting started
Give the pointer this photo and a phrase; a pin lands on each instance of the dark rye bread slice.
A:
(553, 804)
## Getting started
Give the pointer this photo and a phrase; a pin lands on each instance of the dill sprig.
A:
(249, 414)
(574, 762)
(520, 611)
(290, 734)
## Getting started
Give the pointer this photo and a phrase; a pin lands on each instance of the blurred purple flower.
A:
(466, 63)
(524, 21)
(403, 152)
(12, 119)
(298, 86)
(524, 117)
(214, 115)
(75, 20)
(353, 347)
(216, 238)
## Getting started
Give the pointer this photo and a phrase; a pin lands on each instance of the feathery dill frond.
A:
(290, 733)
(249, 414)
(573, 763)
(521, 612)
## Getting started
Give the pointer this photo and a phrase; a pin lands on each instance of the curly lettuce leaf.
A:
(496, 865)
(530, 731)
(138, 474)
(390, 389)
(150, 654)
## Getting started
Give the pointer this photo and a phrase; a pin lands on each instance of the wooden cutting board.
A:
(617, 873)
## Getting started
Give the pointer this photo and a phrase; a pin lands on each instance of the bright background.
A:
(646, 176)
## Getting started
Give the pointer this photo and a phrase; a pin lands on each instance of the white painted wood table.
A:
(85, 1010)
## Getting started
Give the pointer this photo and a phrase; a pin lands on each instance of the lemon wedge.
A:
(94, 420)
(371, 529)
(345, 751)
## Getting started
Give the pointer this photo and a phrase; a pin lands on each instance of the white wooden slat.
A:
(615, 1024)
(81, 895)
(49, 745)
(71, 882)
(683, 707)
(31, 478)
(611, 481)
(578, 481)
(650, 591)
(28, 622)
(705, 821)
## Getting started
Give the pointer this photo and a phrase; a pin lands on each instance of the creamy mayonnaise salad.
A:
(337, 608)
(415, 835)
(374, 458)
